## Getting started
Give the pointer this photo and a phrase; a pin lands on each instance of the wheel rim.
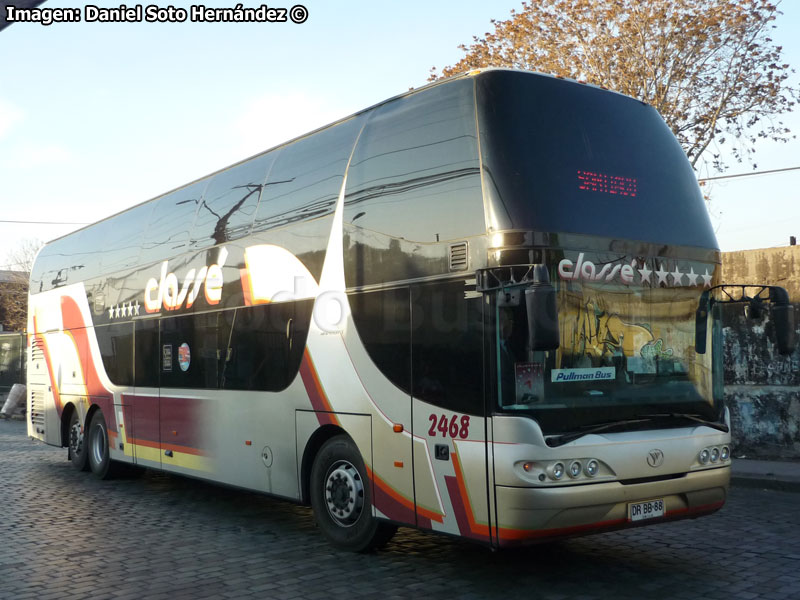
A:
(99, 444)
(344, 493)
(76, 438)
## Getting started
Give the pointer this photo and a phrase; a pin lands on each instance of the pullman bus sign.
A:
(655, 458)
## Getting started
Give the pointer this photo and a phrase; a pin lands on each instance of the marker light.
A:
(528, 467)
(592, 468)
(575, 469)
(704, 456)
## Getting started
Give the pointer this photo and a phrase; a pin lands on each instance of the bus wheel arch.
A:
(313, 446)
(341, 497)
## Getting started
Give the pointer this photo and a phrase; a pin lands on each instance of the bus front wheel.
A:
(97, 447)
(342, 500)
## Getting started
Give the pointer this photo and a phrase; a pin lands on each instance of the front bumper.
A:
(527, 515)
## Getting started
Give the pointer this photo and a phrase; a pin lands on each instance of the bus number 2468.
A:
(454, 428)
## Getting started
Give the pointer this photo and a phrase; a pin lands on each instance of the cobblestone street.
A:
(66, 535)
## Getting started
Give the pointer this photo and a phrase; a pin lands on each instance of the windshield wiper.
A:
(565, 438)
(690, 417)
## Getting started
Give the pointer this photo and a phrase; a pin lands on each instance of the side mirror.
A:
(542, 309)
(701, 324)
(783, 320)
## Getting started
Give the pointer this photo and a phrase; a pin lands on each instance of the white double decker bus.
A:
(483, 308)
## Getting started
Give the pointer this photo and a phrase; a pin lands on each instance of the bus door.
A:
(450, 425)
(143, 433)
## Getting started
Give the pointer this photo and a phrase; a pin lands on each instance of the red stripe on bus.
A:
(174, 447)
(315, 391)
(397, 507)
(462, 507)
(74, 324)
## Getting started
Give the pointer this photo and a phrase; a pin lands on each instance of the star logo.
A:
(677, 277)
(116, 311)
(111, 312)
(706, 279)
(692, 276)
(136, 309)
(645, 273)
(662, 275)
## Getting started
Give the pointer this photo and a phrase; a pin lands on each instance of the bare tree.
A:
(710, 68)
(14, 290)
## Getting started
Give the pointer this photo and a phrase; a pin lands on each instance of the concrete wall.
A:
(762, 388)
(772, 266)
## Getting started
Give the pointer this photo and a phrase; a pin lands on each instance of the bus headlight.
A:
(575, 469)
(725, 454)
(557, 471)
(704, 456)
(714, 455)
(592, 468)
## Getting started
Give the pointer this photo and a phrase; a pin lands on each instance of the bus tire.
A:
(342, 500)
(97, 447)
(76, 442)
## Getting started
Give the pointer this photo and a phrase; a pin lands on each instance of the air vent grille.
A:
(37, 407)
(37, 349)
(459, 257)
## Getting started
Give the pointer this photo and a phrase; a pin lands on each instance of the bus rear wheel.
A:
(97, 447)
(76, 443)
(342, 500)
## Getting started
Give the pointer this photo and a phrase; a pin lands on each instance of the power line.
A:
(748, 174)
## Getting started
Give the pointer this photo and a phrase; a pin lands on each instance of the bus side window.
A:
(196, 349)
(116, 348)
(266, 346)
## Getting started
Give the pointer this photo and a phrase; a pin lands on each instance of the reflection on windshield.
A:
(623, 351)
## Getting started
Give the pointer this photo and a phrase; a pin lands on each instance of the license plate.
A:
(646, 510)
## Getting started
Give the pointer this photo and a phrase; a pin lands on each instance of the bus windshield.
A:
(576, 159)
(625, 353)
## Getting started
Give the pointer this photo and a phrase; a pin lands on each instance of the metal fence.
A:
(12, 361)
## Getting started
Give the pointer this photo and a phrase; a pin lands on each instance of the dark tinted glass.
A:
(266, 346)
(229, 204)
(383, 321)
(447, 346)
(146, 364)
(307, 176)
(116, 348)
(415, 172)
(167, 233)
(193, 350)
(564, 157)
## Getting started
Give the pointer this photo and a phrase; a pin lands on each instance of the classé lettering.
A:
(167, 292)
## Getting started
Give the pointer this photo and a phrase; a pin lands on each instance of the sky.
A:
(97, 117)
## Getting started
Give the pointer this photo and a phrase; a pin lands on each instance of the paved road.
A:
(65, 535)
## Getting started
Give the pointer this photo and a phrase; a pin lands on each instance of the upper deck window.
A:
(415, 173)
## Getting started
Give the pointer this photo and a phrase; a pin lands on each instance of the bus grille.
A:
(37, 407)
